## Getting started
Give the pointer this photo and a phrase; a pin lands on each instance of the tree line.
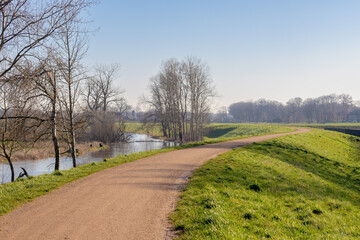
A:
(45, 90)
(324, 109)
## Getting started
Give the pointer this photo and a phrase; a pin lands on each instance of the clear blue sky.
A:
(255, 49)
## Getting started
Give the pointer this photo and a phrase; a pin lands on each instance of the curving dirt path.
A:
(131, 201)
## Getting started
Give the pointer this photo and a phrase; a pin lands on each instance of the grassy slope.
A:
(24, 190)
(217, 130)
(329, 125)
(309, 189)
(233, 131)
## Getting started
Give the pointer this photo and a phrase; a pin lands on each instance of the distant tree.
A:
(222, 115)
(180, 97)
(346, 103)
(109, 126)
(100, 90)
(261, 110)
(106, 104)
(294, 110)
(323, 109)
(92, 94)
(198, 80)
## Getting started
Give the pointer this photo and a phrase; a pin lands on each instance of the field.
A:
(303, 186)
(150, 129)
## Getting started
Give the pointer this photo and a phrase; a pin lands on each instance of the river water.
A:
(137, 143)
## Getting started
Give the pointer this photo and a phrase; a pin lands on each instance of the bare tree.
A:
(17, 123)
(71, 48)
(346, 102)
(28, 29)
(108, 126)
(47, 91)
(92, 93)
(100, 89)
(294, 109)
(107, 106)
(26, 25)
(180, 98)
(200, 92)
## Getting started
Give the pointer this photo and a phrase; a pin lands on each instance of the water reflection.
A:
(138, 143)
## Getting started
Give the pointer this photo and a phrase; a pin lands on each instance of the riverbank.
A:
(44, 149)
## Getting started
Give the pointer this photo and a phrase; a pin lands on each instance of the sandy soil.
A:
(131, 201)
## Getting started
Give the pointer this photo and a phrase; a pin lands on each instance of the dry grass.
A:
(44, 149)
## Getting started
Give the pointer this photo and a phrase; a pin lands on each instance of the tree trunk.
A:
(105, 103)
(12, 170)
(73, 149)
(55, 142)
(53, 127)
(71, 119)
(8, 158)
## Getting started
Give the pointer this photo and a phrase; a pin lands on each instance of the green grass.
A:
(24, 190)
(224, 131)
(152, 129)
(304, 186)
(227, 131)
(329, 125)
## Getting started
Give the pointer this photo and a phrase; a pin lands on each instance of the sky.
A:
(273, 49)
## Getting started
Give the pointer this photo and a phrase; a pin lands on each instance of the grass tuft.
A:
(255, 187)
(247, 216)
(317, 211)
(57, 173)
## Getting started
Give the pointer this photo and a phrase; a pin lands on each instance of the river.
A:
(137, 143)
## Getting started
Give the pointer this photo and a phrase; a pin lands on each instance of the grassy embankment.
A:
(304, 186)
(155, 129)
(328, 125)
(226, 132)
(24, 190)
(217, 131)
